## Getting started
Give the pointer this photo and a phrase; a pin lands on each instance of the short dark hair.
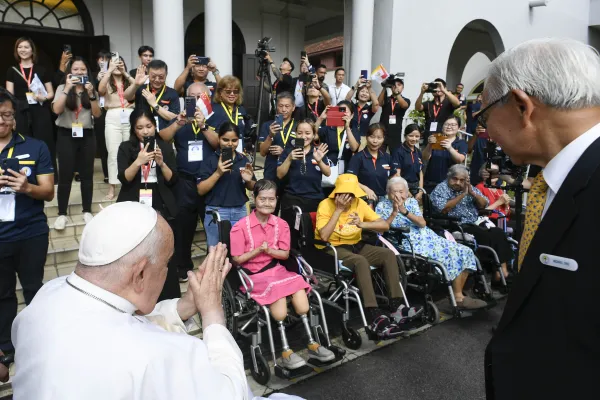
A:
(347, 104)
(289, 62)
(144, 49)
(339, 69)
(411, 128)
(103, 54)
(440, 80)
(264, 184)
(158, 64)
(322, 66)
(454, 117)
(460, 84)
(228, 127)
(33, 48)
(374, 128)
(5, 96)
(138, 113)
(286, 95)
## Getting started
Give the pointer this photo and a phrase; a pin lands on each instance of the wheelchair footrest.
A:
(284, 373)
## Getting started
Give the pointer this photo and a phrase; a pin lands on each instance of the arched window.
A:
(53, 14)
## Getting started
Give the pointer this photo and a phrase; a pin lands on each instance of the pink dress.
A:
(277, 282)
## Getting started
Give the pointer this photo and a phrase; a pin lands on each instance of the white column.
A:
(169, 37)
(362, 37)
(217, 34)
(347, 39)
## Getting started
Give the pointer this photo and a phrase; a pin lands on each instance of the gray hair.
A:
(286, 95)
(457, 169)
(205, 88)
(561, 73)
(395, 180)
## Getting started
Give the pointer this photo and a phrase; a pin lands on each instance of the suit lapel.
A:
(555, 224)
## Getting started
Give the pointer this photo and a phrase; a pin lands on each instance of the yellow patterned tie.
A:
(536, 201)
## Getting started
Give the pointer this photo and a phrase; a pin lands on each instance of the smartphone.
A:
(190, 106)
(83, 79)
(67, 49)
(279, 120)
(364, 73)
(10, 163)
(202, 60)
(151, 140)
(299, 143)
(227, 154)
(302, 54)
(114, 57)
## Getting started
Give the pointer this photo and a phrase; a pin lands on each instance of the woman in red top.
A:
(498, 199)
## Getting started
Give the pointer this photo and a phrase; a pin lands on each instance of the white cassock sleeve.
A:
(165, 315)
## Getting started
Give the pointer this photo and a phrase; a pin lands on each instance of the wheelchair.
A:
(341, 288)
(242, 313)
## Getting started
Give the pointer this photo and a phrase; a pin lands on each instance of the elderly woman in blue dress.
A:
(400, 210)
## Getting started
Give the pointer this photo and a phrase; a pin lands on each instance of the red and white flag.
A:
(205, 105)
(379, 74)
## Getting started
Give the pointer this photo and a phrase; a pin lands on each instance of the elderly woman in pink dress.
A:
(258, 242)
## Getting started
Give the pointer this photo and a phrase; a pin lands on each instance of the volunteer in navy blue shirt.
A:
(227, 107)
(224, 183)
(478, 145)
(366, 105)
(197, 73)
(372, 166)
(156, 96)
(473, 110)
(23, 224)
(334, 136)
(194, 143)
(441, 156)
(303, 168)
(409, 160)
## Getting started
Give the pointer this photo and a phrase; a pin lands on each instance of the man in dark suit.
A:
(547, 344)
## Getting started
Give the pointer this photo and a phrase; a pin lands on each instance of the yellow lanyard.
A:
(196, 129)
(10, 152)
(230, 115)
(161, 93)
(340, 129)
(286, 136)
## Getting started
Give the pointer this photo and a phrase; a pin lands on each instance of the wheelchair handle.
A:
(245, 280)
(216, 217)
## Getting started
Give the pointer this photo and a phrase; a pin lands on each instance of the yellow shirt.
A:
(344, 233)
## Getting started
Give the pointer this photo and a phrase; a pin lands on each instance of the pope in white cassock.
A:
(87, 336)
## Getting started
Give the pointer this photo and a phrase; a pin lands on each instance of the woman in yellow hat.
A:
(340, 221)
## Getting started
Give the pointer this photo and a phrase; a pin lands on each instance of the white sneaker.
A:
(87, 217)
(60, 223)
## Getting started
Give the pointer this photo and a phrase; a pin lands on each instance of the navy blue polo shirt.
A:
(182, 138)
(410, 162)
(34, 158)
(478, 159)
(330, 135)
(306, 185)
(220, 116)
(471, 121)
(169, 101)
(362, 117)
(373, 173)
(441, 161)
(230, 189)
(281, 139)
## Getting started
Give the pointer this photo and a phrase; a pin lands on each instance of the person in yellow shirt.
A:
(340, 221)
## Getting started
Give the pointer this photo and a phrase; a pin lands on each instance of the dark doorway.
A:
(194, 44)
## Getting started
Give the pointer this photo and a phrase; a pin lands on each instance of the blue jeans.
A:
(233, 214)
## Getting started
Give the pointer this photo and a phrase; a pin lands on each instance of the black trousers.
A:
(171, 289)
(288, 201)
(191, 207)
(494, 238)
(27, 259)
(75, 153)
(36, 121)
(101, 150)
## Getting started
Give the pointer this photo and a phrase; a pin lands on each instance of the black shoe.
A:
(105, 180)
(372, 313)
(77, 178)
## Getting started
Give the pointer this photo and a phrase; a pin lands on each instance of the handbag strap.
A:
(19, 72)
(341, 149)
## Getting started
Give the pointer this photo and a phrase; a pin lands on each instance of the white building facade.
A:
(425, 39)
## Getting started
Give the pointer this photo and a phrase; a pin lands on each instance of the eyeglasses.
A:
(454, 125)
(231, 91)
(485, 113)
(8, 116)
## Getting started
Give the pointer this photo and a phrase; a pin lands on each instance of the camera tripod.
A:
(264, 75)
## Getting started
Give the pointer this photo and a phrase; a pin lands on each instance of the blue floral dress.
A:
(455, 257)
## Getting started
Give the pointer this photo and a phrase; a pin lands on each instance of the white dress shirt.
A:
(338, 93)
(298, 96)
(71, 346)
(559, 167)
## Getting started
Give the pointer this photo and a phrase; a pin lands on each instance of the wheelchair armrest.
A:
(402, 229)
(296, 253)
(322, 243)
(486, 212)
(439, 216)
(246, 281)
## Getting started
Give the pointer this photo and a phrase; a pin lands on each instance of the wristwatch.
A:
(216, 72)
(156, 107)
(406, 213)
(93, 98)
(204, 128)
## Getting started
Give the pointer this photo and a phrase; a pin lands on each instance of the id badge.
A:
(341, 167)
(240, 147)
(392, 120)
(30, 98)
(146, 197)
(77, 130)
(7, 207)
(157, 126)
(125, 118)
(194, 150)
(101, 102)
(433, 127)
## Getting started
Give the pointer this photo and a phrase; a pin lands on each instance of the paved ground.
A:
(445, 362)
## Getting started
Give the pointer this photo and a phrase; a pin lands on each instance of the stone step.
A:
(74, 208)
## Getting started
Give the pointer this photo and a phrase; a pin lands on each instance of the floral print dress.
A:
(453, 256)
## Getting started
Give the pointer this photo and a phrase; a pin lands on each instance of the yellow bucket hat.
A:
(347, 183)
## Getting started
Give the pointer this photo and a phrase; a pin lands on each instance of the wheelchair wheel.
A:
(432, 314)
(229, 308)
(264, 371)
(351, 338)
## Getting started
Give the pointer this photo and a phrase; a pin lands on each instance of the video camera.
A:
(392, 79)
(433, 86)
(264, 46)
(495, 155)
